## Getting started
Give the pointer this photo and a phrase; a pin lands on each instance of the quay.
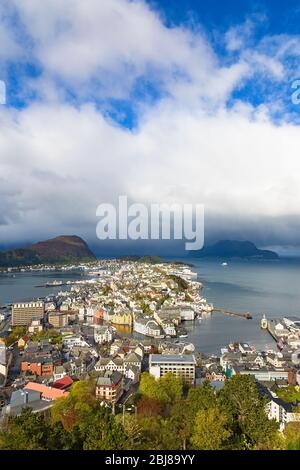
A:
(224, 311)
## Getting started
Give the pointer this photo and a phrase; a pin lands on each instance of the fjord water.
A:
(270, 287)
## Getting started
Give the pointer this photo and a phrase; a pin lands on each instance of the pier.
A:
(224, 311)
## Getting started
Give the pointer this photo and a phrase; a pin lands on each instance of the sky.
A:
(162, 101)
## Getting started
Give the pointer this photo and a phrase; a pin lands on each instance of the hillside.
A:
(62, 249)
(234, 249)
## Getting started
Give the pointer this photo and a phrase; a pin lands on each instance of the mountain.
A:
(63, 249)
(234, 249)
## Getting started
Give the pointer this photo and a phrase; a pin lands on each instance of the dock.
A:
(224, 311)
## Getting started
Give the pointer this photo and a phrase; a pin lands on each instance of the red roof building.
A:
(63, 383)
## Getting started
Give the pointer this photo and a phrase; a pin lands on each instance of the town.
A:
(125, 321)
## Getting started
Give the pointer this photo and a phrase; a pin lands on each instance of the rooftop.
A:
(172, 358)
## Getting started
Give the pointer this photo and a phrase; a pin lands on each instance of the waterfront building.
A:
(148, 327)
(24, 313)
(182, 366)
(122, 318)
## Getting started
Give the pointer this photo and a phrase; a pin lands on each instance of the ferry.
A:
(224, 264)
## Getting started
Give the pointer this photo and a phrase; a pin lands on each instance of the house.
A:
(23, 399)
(275, 360)
(281, 412)
(36, 326)
(132, 359)
(23, 341)
(103, 334)
(47, 393)
(133, 373)
(245, 348)
(74, 341)
(110, 363)
(122, 318)
(63, 383)
(110, 386)
(38, 365)
(148, 327)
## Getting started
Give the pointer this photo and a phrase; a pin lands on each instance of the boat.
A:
(224, 264)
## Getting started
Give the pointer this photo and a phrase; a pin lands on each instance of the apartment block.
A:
(24, 313)
(182, 366)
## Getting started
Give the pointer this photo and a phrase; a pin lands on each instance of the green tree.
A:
(292, 436)
(211, 431)
(28, 431)
(201, 398)
(166, 389)
(103, 432)
(241, 400)
(77, 407)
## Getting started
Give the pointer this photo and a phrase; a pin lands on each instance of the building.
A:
(24, 313)
(3, 359)
(98, 316)
(281, 412)
(35, 326)
(148, 327)
(110, 386)
(103, 334)
(40, 366)
(47, 393)
(182, 366)
(25, 398)
(122, 318)
(58, 319)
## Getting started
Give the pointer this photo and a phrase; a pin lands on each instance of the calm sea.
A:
(270, 287)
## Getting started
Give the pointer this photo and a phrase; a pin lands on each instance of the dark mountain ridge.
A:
(62, 249)
(234, 249)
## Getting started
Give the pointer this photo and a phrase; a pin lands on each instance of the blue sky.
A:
(164, 101)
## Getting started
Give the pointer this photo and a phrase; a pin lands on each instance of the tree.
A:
(104, 432)
(77, 407)
(166, 389)
(28, 431)
(181, 423)
(292, 436)
(148, 406)
(211, 430)
(241, 400)
(201, 398)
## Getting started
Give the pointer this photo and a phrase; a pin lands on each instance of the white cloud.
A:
(62, 160)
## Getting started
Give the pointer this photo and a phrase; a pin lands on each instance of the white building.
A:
(103, 334)
(148, 327)
(281, 412)
(74, 341)
(182, 366)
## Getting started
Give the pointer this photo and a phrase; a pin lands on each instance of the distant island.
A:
(150, 259)
(228, 249)
(59, 250)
